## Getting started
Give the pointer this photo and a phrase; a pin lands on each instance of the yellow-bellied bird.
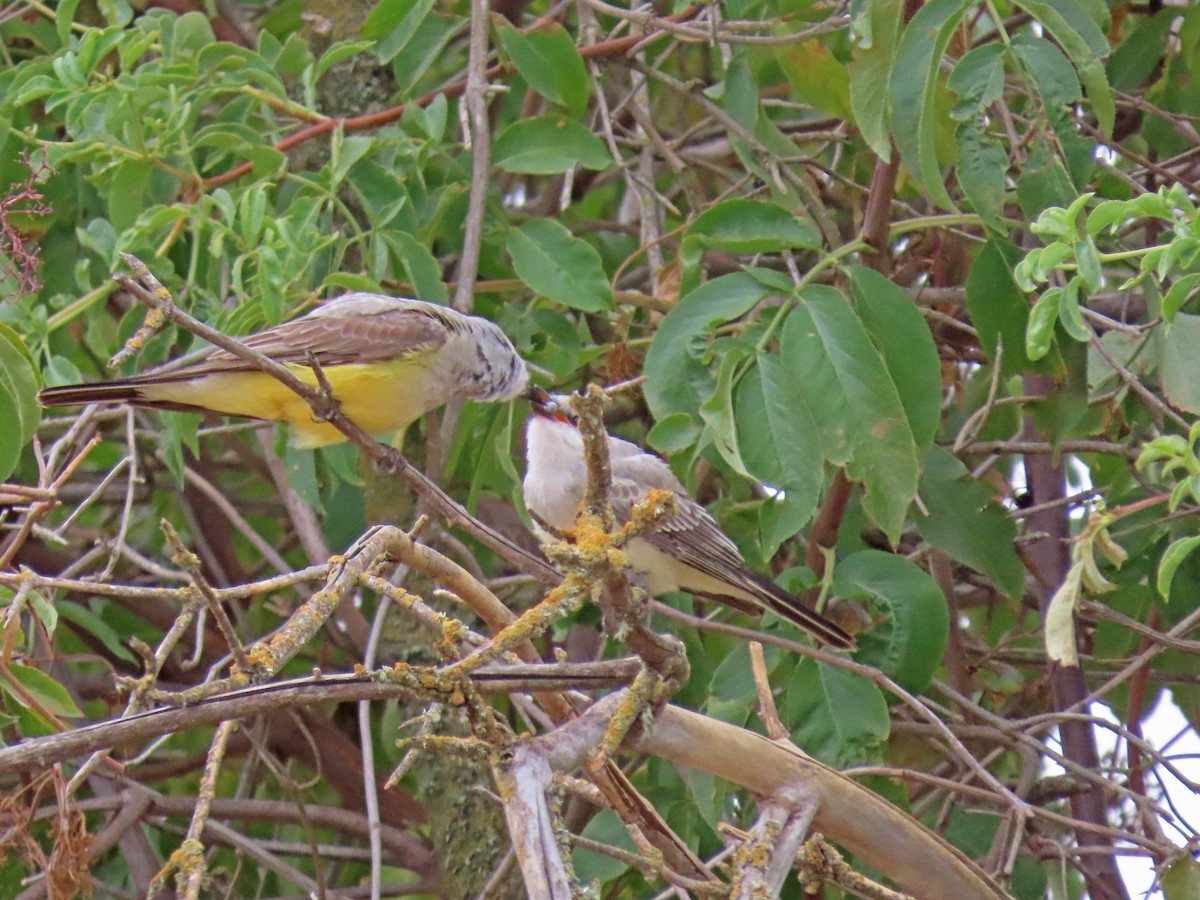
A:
(389, 361)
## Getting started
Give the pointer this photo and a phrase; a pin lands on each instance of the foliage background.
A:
(926, 271)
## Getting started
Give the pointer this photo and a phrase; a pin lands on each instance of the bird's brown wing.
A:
(332, 340)
(693, 537)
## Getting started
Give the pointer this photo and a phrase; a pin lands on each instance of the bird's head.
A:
(548, 406)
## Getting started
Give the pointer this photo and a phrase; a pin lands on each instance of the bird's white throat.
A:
(555, 473)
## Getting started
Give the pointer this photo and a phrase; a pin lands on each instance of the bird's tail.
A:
(146, 391)
(783, 604)
(80, 394)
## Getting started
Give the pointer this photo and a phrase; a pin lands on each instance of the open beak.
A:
(544, 405)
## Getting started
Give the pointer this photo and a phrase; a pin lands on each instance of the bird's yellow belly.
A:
(378, 397)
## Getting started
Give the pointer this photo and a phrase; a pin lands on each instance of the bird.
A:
(389, 360)
(688, 552)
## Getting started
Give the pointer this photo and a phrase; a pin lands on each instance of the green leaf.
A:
(420, 266)
(48, 692)
(1043, 181)
(745, 227)
(10, 441)
(982, 170)
(677, 381)
(909, 644)
(676, 432)
(752, 226)
(1052, 72)
(1086, 45)
(843, 717)
(424, 50)
(548, 145)
(558, 265)
(869, 71)
(1042, 319)
(1068, 311)
(914, 86)
(978, 79)
(546, 56)
(1179, 294)
(1181, 363)
(18, 372)
(863, 422)
(64, 16)
(337, 52)
(393, 25)
(902, 336)
(1181, 881)
(1135, 59)
(966, 523)
(817, 77)
(718, 415)
(998, 308)
(779, 443)
(1171, 560)
(96, 627)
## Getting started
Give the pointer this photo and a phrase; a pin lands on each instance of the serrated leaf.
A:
(999, 310)
(558, 265)
(897, 328)
(548, 145)
(908, 645)
(1086, 45)
(967, 524)
(1181, 363)
(546, 56)
(817, 77)
(718, 415)
(869, 72)
(914, 86)
(1053, 75)
(779, 442)
(676, 379)
(982, 169)
(863, 423)
(746, 227)
(978, 79)
(842, 717)
(420, 266)
(752, 226)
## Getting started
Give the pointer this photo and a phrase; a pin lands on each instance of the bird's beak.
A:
(544, 405)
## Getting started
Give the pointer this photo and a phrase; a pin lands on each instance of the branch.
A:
(146, 289)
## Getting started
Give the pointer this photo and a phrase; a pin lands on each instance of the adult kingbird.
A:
(389, 361)
(688, 552)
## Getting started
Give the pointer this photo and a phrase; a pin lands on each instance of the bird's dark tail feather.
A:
(791, 608)
(80, 394)
(129, 390)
